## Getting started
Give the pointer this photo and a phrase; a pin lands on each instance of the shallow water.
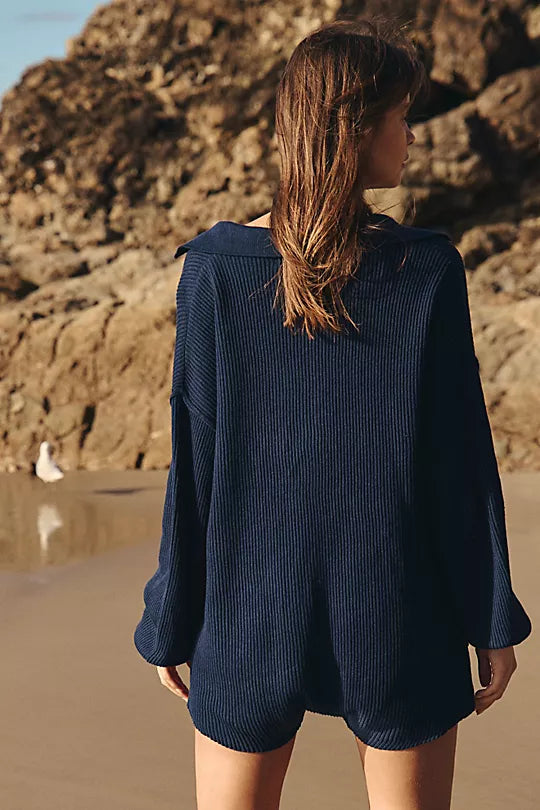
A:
(83, 514)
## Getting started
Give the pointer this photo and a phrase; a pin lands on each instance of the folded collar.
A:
(233, 239)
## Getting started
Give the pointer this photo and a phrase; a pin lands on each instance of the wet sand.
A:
(86, 722)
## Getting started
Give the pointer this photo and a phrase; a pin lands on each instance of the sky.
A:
(33, 30)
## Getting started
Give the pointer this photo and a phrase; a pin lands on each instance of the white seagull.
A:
(47, 469)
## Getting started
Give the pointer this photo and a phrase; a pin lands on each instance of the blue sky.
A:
(32, 30)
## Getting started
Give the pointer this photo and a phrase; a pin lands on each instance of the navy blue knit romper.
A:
(333, 532)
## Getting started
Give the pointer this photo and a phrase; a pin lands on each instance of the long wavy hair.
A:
(333, 94)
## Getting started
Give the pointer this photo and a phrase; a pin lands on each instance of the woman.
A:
(333, 527)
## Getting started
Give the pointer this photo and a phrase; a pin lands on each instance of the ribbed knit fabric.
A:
(333, 530)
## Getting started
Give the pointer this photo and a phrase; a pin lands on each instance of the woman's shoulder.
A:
(227, 238)
(387, 226)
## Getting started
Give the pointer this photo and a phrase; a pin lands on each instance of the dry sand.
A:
(86, 722)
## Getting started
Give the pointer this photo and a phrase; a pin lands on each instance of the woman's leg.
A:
(418, 778)
(234, 780)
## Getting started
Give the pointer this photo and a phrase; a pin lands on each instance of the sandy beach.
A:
(86, 722)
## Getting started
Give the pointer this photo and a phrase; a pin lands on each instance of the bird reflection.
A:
(48, 521)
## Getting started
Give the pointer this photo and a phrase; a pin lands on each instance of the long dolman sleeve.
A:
(465, 496)
(174, 596)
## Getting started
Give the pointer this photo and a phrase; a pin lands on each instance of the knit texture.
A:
(333, 531)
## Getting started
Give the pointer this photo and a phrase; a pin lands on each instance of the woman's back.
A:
(333, 529)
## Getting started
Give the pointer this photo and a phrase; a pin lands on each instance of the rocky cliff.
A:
(158, 123)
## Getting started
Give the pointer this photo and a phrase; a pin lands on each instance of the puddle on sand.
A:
(83, 514)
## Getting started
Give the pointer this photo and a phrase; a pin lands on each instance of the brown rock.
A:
(475, 41)
(158, 123)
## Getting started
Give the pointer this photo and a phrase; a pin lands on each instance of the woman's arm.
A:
(174, 596)
(466, 499)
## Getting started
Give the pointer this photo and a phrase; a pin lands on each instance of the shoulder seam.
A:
(192, 408)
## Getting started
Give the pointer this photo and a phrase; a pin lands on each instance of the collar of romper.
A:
(233, 239)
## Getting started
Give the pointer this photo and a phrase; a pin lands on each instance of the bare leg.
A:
(418, 778)
(235, 780)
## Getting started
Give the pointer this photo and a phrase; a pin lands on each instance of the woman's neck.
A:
(262, 222)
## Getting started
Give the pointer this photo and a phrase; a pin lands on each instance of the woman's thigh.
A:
(235, 780)
(418, 778)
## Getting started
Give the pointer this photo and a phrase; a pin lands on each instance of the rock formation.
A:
(158, 123)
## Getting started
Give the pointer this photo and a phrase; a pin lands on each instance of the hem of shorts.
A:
(328, 712)
(233, 742)
(411, 743)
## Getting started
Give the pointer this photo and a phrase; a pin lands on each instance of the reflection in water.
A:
(48, 521)
(83, 514)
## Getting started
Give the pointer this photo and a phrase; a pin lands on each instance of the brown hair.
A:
(335, 89)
